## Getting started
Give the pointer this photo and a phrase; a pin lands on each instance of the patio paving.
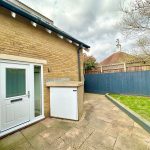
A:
(102, 127)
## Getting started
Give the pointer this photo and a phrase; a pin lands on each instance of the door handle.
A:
(74, 90)
(28, 94)
(16, 100)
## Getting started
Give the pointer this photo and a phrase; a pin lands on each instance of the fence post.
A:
(125, 68)
(101, 69)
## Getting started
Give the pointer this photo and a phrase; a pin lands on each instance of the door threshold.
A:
(14, 126)
(8, 131)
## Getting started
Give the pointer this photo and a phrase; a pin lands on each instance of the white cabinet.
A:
(64, 102)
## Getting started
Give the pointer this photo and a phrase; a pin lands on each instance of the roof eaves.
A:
(37, 20)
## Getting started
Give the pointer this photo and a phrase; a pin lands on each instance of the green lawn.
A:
(139, 104)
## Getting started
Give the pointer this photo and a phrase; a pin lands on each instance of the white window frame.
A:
(33, 119)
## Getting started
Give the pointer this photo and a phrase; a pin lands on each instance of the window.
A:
(37, 91)
(15, 82)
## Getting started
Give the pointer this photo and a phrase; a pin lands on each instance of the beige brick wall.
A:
(18, 37)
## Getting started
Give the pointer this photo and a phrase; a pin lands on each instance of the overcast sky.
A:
(94, 22)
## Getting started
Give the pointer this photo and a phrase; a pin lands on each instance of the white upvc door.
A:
(14, 95)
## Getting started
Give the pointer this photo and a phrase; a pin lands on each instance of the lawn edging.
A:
(137, 118)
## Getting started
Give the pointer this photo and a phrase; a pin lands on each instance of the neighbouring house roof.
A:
(35, 17)
(118, 57)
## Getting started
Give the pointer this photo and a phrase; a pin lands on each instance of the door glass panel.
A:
(37, 91)
(15, 82)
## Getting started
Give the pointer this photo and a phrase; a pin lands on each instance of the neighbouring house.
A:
(32, 51)
(121, 62)
(117, 57)
(112, 63)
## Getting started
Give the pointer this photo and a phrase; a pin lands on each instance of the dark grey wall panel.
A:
(135, 83)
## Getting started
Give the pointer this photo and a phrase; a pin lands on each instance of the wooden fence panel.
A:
(121, 67)
(133, 83)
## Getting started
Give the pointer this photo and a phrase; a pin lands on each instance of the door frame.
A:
(33, 119)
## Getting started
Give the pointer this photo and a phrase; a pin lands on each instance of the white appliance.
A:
(64, 102)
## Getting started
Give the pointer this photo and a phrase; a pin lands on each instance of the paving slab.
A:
(126, 142)
(102, 127)
(50, 134)
(12, 141)
(77, 136)
(33, 130)
(23, 146)
(99, 139)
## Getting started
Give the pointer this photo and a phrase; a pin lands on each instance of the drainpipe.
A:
(79, 63)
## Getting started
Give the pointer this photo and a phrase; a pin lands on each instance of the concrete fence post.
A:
(101, 69)
(125, 68)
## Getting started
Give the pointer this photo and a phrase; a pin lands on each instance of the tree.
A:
(136, 22)
(89, 62)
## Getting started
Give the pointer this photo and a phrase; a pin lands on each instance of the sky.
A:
(94, 22)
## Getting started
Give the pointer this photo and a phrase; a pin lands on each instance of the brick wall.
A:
(18, 37)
